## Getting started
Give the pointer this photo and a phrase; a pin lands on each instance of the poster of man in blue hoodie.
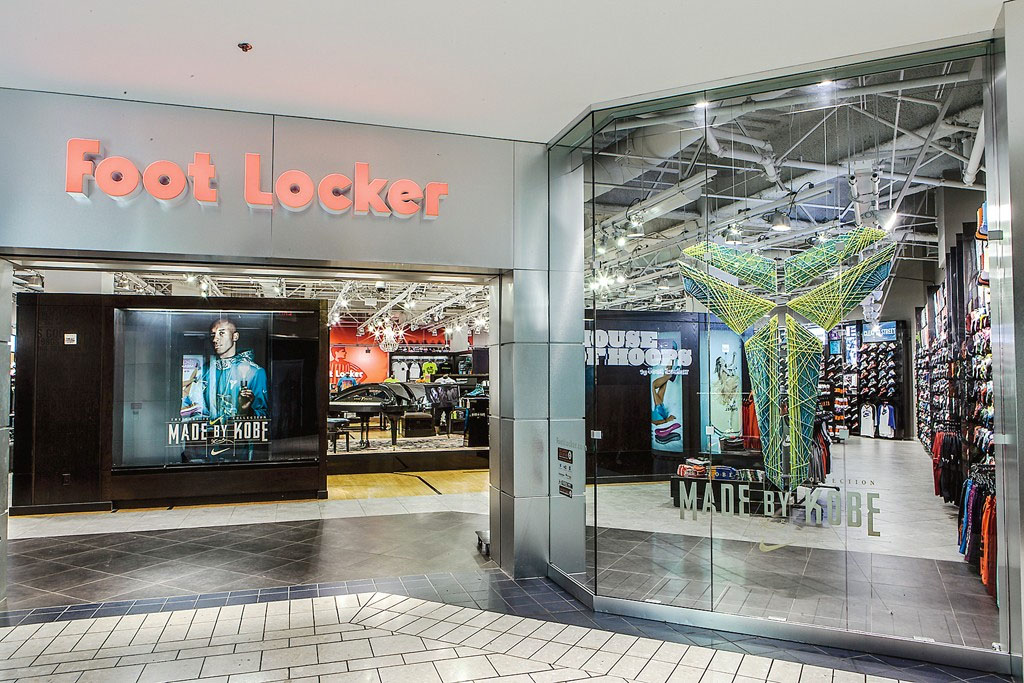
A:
(223, 390)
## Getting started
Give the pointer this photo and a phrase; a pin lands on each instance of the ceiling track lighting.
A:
(780, 222)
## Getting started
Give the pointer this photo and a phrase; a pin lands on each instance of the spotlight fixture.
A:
(602, 247)
(825, 83)
(190, 278)
(204, 285)
(886, 219)
(781, 222)
(620, 277)
(658, 298)
(620, 241)
(631, 289)
(636, 223)
(703, 104)
(343, 303)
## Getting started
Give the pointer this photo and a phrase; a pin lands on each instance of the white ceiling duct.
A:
(977, 151)
(656, 142)
(678, 195)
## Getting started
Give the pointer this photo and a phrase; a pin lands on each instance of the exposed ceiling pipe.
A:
(834, 170)
(766, 157)
(821, 173)
(731, 111)
(933, 131)
(660, 142)
(426, 317)
(678, 195)
(977, 151)
(385, 310)
(950, 152)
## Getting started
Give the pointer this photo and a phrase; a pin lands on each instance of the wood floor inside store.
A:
(397, 485)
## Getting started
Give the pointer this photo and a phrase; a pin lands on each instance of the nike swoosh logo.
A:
(765, 548)
(219, 451)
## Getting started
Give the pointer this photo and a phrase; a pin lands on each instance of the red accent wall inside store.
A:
(360, 355)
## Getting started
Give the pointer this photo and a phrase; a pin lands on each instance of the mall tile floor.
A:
(107, 570)
(423, 629)
(90, 568)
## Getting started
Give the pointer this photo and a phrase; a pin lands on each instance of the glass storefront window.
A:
(214, 387)
(789, 391)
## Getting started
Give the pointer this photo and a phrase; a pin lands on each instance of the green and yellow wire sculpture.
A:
(736, 308)
(801, 268)
(825, 305)
(749, 267)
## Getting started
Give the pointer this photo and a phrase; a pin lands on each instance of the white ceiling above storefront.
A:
(518, 69)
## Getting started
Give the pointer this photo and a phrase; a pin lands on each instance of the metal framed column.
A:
(6, 317)
(519, 356)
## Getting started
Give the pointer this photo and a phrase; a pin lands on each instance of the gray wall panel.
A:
(567, 306)
(566, 223)
(494, 522)
(530, 364)
(568, 516)
(494, 461)
(526, 473)
(567, 379)
(35, 211)
(531, 307)
(531, 207)
(473, 229)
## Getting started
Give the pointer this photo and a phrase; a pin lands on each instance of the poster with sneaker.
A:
(667, 400)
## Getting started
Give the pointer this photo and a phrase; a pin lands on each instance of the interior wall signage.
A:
(165, 181)
(634, 347)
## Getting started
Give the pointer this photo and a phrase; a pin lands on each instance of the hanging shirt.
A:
(867, 420)
(400, 371)
(414, 371)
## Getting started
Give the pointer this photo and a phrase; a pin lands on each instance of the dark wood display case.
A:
(62, 458)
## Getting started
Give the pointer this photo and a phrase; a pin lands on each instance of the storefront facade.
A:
(187, 188)
(101, 183)
(752, 463)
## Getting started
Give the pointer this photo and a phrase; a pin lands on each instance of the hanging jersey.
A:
(867, 420)
(887, 421)
(414, 371)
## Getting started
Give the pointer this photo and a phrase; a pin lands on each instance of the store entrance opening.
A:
(245, 431)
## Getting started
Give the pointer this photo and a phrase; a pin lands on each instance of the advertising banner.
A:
(721, 381)
(667, 396)
(210, 387)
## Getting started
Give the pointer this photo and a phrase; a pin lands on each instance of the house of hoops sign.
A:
(632, 347)
(165, 181)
